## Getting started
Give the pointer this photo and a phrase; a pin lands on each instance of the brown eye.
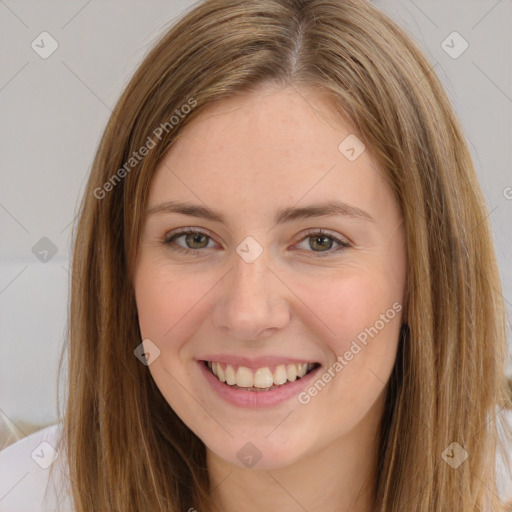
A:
(191, 239)
(194, 241)
(321, 243)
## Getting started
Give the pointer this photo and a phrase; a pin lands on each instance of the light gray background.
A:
(53, 111)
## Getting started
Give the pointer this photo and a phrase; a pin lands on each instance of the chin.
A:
(258, 453)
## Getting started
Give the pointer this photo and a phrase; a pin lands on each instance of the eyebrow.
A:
(285, 215)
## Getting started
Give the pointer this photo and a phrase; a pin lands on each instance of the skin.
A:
(248, 157)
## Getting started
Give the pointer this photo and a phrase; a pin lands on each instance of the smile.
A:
(259, 379)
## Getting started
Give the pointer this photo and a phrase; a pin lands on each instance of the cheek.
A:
(352, 303)
(168, 305)
(165, 300)
(363, 313)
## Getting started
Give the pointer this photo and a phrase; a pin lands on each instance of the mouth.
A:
(261, 379)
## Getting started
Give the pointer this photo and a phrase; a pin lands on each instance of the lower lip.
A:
(254, 399)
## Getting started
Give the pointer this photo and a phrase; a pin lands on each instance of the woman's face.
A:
(258, 290)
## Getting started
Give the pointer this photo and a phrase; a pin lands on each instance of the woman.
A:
(217, 361)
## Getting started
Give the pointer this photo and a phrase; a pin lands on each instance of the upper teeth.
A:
(261, 377)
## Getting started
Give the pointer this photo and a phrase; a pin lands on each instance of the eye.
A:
(193, 239)
(324, 241)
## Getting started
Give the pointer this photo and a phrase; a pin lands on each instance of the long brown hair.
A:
(126, 448)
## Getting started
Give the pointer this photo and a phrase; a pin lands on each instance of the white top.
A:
(32, 474)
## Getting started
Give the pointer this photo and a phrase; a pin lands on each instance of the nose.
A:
(251, 302)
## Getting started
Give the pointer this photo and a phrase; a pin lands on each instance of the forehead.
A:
(273, 145)
(268, 124)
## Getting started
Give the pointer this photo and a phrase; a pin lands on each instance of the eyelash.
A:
(171, 237)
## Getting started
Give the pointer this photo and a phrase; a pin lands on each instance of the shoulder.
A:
(33, 475)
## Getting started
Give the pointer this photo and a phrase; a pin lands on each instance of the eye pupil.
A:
(193, 238)
(319, 240)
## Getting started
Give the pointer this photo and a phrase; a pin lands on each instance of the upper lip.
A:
(254, 362)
